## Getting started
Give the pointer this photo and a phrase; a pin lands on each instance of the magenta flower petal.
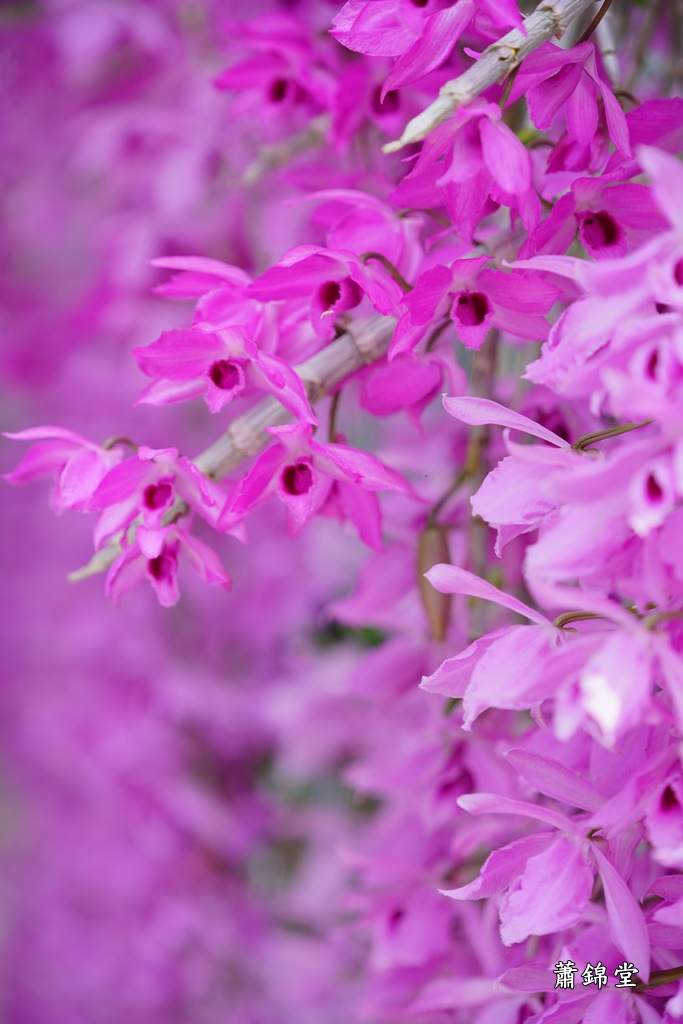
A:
(394, 386)
(375, 29)
(258, 484)
(48, 433)
(453, 676)
(121, 482)
(127, 570)
(582, 111)
(666, 175)
(491, 803)
(162, 572)
(425, 301)
(550, 895)
(358, 466)
(617, 124)
(302, 490)
(506, 158)
(80, 477)
(439, 35)
(451, 579)
(502, 867)
(167, 392)
(479, 411)
(512, 494)
(554, 779)
(40, 460)
(547, 98)
(626, 922)
(297, 275)
(204, 560)
(179, 355)
(360, 507)
(277, 377)
(510, 673)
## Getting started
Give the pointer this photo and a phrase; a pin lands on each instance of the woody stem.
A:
(550, 18)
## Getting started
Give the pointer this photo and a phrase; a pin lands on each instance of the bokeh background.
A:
(164, 852)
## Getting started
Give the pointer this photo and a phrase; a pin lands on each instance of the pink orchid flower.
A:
(512, 497)
(409, 382)
(219, 364)
(611, 219)
(355, 221)
(421, 35)
(553, 78)
(548, 880)
(604, 679)
(77, 464)
(475, 163)
(220, 293)
(154, 556)
(313, 478)
(284, 74)
(476, 299)
(147, 486)
(332, 281)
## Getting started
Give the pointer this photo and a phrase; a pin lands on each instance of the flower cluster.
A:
(437, 775)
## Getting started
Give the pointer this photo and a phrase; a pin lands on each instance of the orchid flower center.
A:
(162, 567)
(157, 496)
(339, 295)
(395, 918)
(297, 479)
(278, 90)
(653, 489)
(330, 293)
(226, 375)
(599, 230)
(471, 308)
(669, 801)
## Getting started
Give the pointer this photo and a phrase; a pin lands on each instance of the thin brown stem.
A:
(650, 621)
(595, 22)
(507, 88)
(602, 435)
(434, 214)
(112, 441)
(334, 406)
(658, 978)
(563, 620)
(436, 334)
(388, 266)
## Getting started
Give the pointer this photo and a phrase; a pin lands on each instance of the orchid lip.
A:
(599, 230)
(297, 479)
(330, 294)
(157, 496)
(162, 567)
(278, 90)
(226, 375)
(471, 308)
